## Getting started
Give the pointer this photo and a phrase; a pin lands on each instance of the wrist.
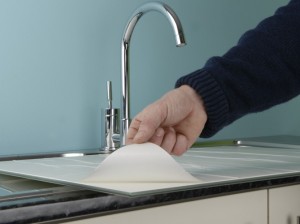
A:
(196, 99)
(213, 97)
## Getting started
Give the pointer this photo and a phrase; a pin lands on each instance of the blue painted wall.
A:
(55, 58)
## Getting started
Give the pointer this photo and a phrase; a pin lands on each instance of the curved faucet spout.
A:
(180, 41)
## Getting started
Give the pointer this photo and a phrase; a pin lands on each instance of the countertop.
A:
(225, 169)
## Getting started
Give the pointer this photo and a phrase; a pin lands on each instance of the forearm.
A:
(261, 71)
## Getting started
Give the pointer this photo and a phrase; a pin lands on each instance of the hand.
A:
(174, 122)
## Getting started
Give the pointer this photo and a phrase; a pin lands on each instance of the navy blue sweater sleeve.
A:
(262, 70)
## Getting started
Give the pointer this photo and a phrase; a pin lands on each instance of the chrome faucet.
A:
(180, 41)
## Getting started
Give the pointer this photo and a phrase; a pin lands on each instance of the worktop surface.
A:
(223, 170)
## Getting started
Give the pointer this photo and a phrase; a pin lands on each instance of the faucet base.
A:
(111, 130)
(107, 150)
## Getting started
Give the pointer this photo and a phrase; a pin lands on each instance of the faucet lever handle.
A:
(109, 94)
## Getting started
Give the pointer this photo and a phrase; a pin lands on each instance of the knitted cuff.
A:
(215, 102)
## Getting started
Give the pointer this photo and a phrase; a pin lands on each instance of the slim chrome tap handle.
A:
(125, 77)
(109, 94)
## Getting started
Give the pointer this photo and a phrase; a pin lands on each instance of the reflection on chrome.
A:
(180, 41)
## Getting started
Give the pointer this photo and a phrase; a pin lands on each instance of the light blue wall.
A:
(56, 55)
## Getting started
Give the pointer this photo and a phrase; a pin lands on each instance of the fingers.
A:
(169, 140)
(133, 129)
(144, 130)
(146, 125)
(173, 142)
(158, 137)
(181, 145)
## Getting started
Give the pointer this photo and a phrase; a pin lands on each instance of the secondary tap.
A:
(125, 74)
